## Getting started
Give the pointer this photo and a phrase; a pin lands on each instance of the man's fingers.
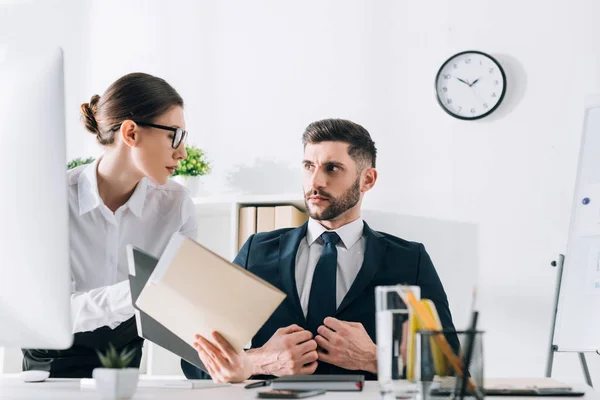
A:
(310, 357)
(206, 360)
(326, 333)
(197, 337)
(213, 351)
(354, 324)
(324, 356)
(309, 369)
(205, 343)
(335, 324)
(224, 346)
(323, 343)
(300, 337)
(307, 347)
(204, 353)
(207, 346)
(290, 329)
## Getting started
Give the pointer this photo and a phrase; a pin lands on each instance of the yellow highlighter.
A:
(439, 360)
(413, 327)
(440, 363)
(428, 323)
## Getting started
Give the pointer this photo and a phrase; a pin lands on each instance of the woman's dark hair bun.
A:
(88, 115)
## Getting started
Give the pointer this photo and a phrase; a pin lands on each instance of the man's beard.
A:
(337, 206)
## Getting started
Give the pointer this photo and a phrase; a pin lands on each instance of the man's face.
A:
(331, 180)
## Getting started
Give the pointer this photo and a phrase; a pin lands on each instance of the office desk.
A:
(65, 389)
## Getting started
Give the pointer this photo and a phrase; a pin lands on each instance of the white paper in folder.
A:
(193, 290)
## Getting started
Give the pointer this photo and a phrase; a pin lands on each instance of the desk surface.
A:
(13, 388)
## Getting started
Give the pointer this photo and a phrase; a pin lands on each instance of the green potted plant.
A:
(76, 162)
(115, 381)
(190, 170)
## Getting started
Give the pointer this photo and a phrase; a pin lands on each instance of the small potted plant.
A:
(76, 162)
(115, 381)
(190, 170)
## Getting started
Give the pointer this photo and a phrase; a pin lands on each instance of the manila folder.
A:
(195, 291)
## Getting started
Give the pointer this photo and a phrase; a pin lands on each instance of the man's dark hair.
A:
(362, 148)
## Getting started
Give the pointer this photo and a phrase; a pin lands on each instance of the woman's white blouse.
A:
(98, 238)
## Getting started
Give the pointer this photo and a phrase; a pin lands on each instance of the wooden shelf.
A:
(218, 217)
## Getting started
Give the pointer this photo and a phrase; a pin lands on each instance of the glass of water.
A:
(392, 316)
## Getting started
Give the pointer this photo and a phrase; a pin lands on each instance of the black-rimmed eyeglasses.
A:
(179, 135)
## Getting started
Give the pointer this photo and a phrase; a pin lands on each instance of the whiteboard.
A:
(578, 312)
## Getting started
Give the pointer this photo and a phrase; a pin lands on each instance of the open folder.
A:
(195, 291)
(141, 266)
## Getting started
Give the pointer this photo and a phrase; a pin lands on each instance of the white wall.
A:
(59, 23)
(254, 74)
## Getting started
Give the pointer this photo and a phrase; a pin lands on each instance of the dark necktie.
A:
(322, 300)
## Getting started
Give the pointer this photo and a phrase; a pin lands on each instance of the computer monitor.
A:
(34, 219)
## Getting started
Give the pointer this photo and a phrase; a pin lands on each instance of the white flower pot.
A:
(116, 384)
(193, 183)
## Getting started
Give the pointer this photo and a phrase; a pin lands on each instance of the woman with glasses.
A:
(125, 197)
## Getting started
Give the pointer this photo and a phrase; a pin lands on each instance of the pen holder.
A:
(437, 373)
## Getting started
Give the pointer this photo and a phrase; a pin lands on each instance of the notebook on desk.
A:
(513, 387)
(528, 387)
(350, 383)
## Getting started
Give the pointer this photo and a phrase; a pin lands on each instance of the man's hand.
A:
(290, 351)
(347, 345)
(223, 363)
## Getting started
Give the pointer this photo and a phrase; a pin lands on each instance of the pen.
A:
(257, 384)
(470, 343)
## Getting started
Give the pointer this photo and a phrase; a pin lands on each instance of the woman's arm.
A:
(103, 306)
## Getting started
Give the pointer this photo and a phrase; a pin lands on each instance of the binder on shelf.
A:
(289, 217)
(265, 219)
(246, 225)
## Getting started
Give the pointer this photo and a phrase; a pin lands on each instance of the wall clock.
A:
(470, 85)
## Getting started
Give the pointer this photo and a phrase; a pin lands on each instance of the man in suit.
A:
(329, 268)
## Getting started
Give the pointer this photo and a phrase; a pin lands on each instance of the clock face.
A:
(470, 85)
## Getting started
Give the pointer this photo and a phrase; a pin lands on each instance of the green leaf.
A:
(79, 161)
(195, 163)
(114, 359)
(127, 357)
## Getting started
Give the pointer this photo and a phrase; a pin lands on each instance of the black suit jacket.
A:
(388, 260)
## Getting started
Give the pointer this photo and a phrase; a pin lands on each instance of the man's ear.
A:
(369, 177)
(129, 133)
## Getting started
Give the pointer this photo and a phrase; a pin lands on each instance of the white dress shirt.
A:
(350, 256)
(98, 238)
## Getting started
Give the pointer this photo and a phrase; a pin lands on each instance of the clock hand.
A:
(476, 95)
(474, 82)
(466, 83)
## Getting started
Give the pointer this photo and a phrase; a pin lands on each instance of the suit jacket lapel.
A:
(288, 248)
(374, 256)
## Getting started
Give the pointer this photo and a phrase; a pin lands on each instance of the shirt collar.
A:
(87, 189)
(349, 233)
(89, 197)
(138, 198)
